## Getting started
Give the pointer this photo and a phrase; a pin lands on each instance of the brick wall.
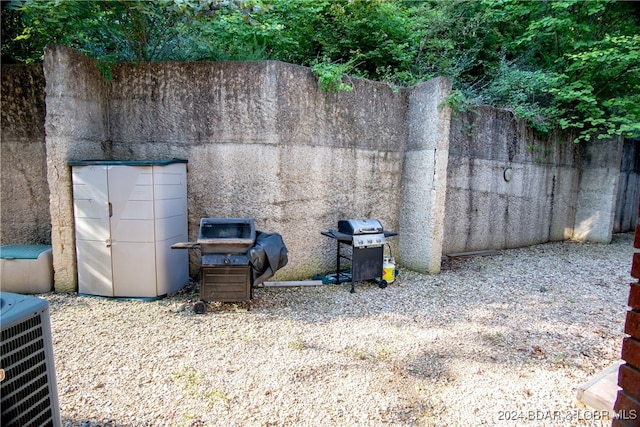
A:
(627, 405)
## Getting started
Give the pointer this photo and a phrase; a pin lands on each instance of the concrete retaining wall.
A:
(628, 187)
(263, 141)
(506, 188)
(422, 213)
(597, 190)
(24, 195)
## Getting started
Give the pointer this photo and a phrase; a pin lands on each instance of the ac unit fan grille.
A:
(26, 398)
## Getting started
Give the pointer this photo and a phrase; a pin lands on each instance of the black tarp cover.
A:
(268, 255)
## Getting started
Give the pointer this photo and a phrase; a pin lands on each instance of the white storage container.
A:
(127, 215)
(26, 269)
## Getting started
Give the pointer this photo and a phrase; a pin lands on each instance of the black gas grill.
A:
(366, 239)
(234, 257)
(225, 273)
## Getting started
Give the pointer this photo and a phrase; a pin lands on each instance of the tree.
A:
(118, 30)
(571, 64)
(568, 63)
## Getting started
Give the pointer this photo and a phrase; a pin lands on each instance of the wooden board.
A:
(293, 283)
(600, 392)
(486, 252)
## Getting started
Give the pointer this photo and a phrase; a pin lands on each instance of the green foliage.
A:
(568, 64)
(591, 52)
(330, 75)
(372, 33)
(226, 31)
(122, 30)
(528, 93)
(601, 91)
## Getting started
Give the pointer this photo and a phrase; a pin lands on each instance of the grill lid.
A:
(368, 240)
(226, 235)
(360, 226)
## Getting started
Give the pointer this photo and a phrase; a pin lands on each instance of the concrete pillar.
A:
(75, 127)
(598, 190)
(424, 176)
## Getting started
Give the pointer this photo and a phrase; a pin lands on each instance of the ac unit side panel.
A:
(28, 392)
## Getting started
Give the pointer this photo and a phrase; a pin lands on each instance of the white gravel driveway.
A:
(492, 340)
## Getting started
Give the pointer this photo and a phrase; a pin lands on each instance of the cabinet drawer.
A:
(226, 284)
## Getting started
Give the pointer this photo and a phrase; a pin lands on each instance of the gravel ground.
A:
(492, 340)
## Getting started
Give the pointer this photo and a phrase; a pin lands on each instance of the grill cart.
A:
(225, 273)
(234, 257)
(366, 238)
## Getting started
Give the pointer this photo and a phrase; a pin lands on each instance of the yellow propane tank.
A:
(389, 269)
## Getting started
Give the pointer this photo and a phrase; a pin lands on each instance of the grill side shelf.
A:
(186, 245)
(343, 237)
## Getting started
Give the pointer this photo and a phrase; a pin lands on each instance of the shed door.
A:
(115, 230)
(132, 231)
(91, 206)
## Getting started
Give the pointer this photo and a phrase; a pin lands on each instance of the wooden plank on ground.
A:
(292, 283)
(601, 391)
(486, 252)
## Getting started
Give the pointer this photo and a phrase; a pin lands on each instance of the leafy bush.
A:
(569, 64)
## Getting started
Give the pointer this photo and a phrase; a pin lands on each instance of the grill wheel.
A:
(200, 307)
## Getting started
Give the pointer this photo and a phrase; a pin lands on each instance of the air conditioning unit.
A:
(28, 391)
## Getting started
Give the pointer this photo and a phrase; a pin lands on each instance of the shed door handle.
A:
(110, 210)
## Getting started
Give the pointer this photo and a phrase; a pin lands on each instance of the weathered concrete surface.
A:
(424, 177)
(507, 188)
(626, 216)
(76, 129)
(484, 209)
(598, 190)
(263, 141)
(24, 208)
